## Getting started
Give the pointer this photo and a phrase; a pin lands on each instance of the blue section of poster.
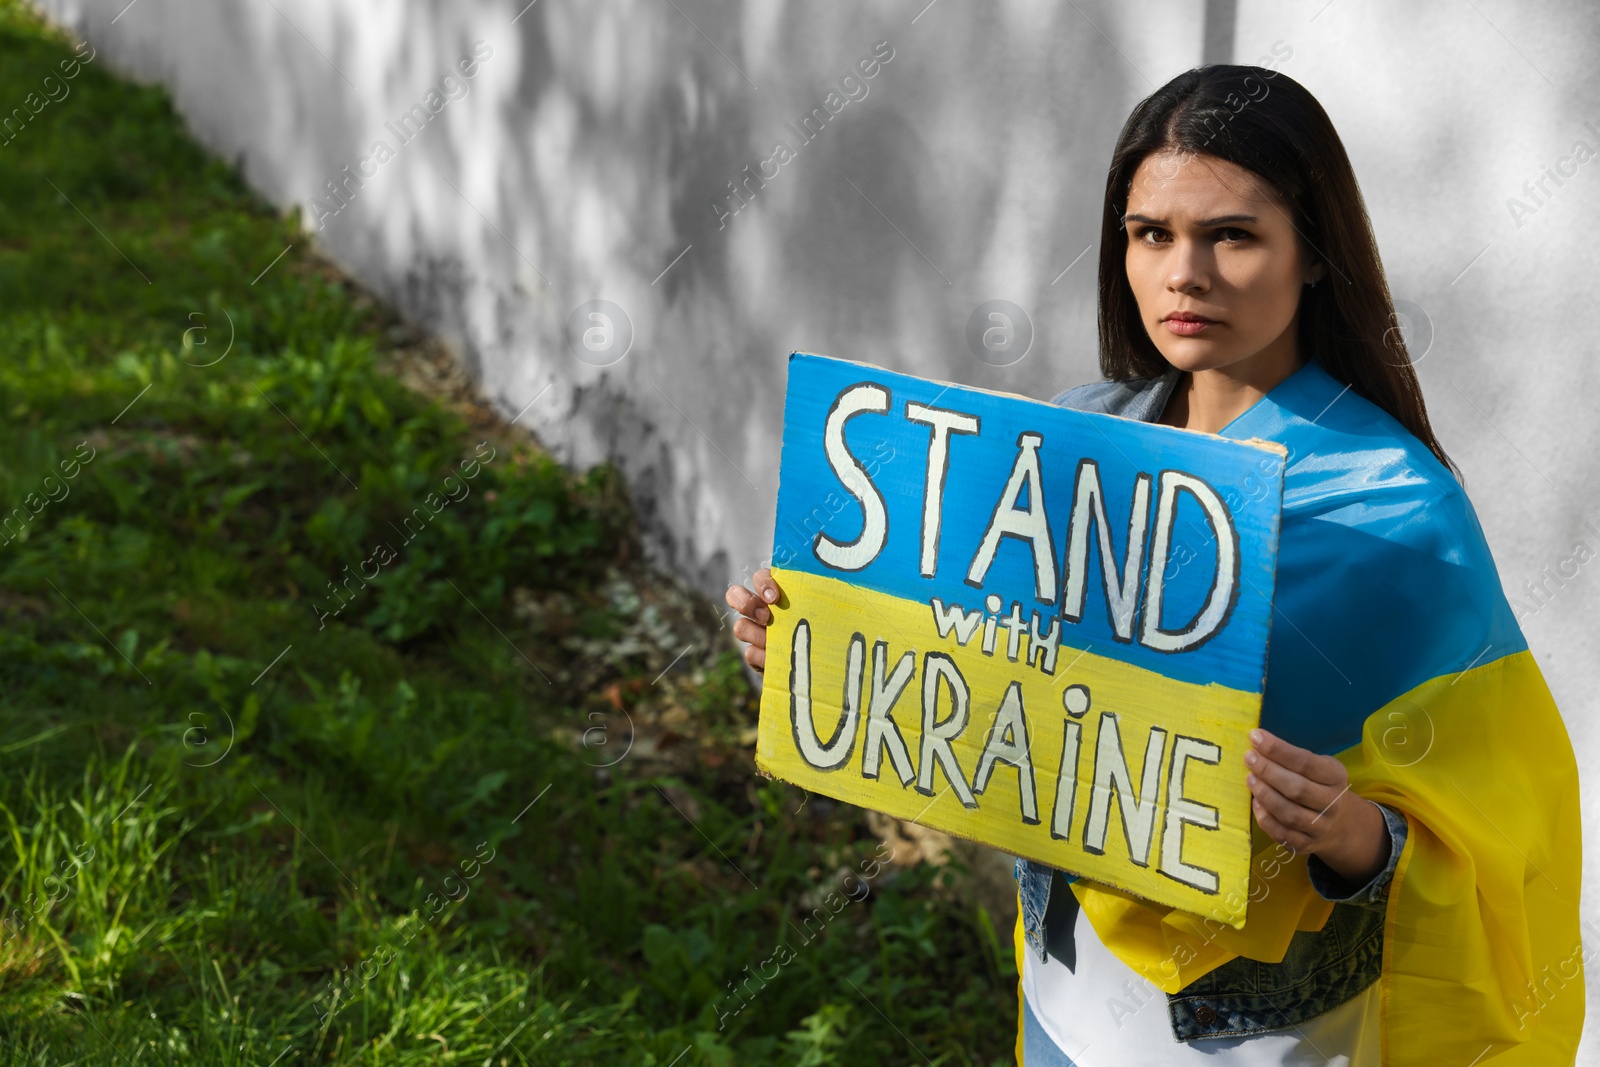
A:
(999, 507)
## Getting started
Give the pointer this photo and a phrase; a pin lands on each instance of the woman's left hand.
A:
(1303, 800)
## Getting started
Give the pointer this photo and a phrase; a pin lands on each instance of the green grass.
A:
(236, 827)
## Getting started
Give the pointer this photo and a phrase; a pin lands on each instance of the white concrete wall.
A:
(584, 158)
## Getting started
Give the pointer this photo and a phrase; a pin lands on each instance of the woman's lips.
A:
(1187, 326)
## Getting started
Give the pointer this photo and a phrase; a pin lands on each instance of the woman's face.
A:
(1214, 263)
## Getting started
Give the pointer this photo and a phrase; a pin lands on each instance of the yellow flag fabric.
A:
(1482, 953)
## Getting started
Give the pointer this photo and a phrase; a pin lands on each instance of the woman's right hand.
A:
(754, 615)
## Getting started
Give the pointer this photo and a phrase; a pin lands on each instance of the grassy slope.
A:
(198, 862)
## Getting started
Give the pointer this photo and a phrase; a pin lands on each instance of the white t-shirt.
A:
(1101, 1013)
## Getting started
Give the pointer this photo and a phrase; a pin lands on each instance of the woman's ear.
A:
(1314, 274)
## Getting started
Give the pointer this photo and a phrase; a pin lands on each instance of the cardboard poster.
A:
(1041, 629)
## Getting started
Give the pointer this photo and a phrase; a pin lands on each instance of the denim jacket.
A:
(1321, 969)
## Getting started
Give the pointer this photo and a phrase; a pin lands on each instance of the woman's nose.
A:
(1190, 271)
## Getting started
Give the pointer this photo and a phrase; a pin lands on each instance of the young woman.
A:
(1417, 859)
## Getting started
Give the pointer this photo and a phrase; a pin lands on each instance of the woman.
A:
(1415, 886)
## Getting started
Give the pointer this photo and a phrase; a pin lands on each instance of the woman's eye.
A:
(1233, 233)
(1151, 235)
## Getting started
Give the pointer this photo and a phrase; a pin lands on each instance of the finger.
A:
(1280, 807)
(765, 587)
(756, 657)
(1327, 809)
(1297, 787)
(746, 603)
(1297, 759)
(737, 597)
(1277, 831)
(751, 632)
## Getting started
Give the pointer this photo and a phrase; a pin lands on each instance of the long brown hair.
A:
(1267, 123)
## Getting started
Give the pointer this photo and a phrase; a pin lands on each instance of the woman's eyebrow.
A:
(1218, 221)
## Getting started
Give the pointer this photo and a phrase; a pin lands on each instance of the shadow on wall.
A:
(737, 181)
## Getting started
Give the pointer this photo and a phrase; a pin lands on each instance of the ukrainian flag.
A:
(1393, 648)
